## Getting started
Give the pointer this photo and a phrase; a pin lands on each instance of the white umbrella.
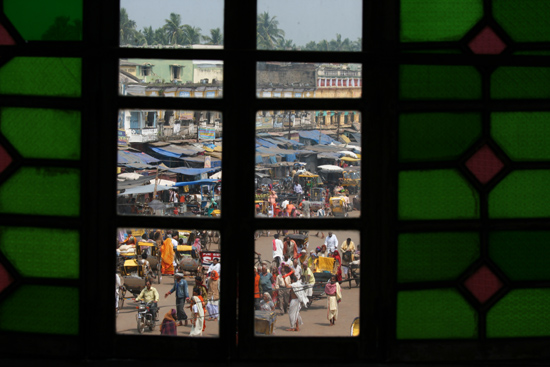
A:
(348, 153)
(330, 168)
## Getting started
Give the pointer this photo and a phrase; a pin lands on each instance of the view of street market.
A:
(172, 275)
(306, 283)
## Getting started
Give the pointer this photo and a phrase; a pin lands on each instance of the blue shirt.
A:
(180, 288)
(265, 282)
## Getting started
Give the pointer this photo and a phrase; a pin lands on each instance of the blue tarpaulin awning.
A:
(315, 135)
(126, 157)
(165, 152)
(208, 181)
(191, 171)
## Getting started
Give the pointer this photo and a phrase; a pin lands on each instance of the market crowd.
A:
(202, 302)
(290, 282)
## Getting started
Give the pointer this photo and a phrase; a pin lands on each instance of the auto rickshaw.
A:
(262, 207)
(351, 179)
(354, 329)
(153, 257)
(186, 261)
(338, 206)
(134, 277)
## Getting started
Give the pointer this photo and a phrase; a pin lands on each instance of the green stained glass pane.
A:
(542, 52)
(521, 194)
(435, 314)
(439, 82)
(436, 20)
(52, 253)
(436, 136)
(42, 76)
(42, 133)
(437, 194)
(42, 191)
(524, 136)
(521, 255)
(521, 313)
(435, 256)
(525, 20)
(41, 309)
(57, 20)
(520, 82)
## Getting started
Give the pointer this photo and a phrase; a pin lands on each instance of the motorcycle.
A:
(145, 317)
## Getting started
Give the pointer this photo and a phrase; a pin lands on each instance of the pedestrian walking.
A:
(182, 295)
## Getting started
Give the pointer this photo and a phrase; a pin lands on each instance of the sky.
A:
(302, 20)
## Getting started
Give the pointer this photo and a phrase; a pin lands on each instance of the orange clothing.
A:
(257, 286)
(167, 255)
(289, 208)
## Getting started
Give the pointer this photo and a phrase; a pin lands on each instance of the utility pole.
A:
(289, 126)
(338, 128)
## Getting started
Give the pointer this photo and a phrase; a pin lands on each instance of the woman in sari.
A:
(213, 296)
(167, 255)
(197, 322)
(168, 326)
(334, 296)
(337, 265)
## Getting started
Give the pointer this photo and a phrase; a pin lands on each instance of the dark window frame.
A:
(380, 107)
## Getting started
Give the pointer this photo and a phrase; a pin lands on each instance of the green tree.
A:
(149, 35)
(268, 32)
(215, 38)
(339, 45)
(283, 44)
(323, 45)
(173, 28)
(160, 37)
(127, 28)
(191, 35)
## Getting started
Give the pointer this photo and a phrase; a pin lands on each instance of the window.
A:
(487, 72)
(175, 71)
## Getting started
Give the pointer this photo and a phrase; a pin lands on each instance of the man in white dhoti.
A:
(297, 298)
(334, 296)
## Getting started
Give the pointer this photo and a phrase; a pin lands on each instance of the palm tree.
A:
(149, 35)
(173, 28)
(268, 32)
(323, 46)
(310, 46)
(283, 44)
(338, 44)
(191, 35)
(127, 28)
(216, 37)
(160, 37)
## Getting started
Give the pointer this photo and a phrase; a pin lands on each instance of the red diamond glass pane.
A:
(487, 42)
(483, 284)
(5, 278)
(5, 38)
(484, 164)
(5, 159)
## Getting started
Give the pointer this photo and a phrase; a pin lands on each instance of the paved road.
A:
(315, 318)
